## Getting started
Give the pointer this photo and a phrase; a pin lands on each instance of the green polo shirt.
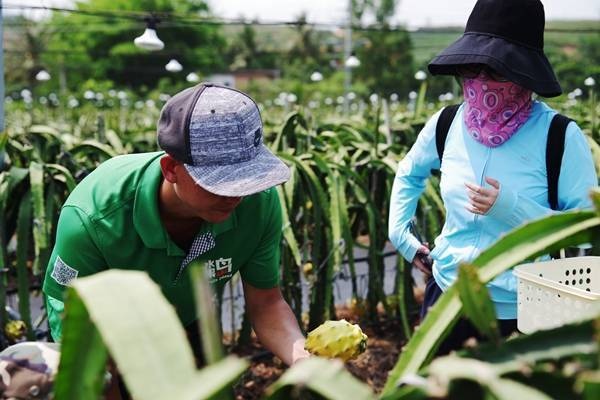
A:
(111, 220)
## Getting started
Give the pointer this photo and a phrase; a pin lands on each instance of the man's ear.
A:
(167, 166)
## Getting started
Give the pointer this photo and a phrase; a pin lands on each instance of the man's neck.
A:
(172, 212)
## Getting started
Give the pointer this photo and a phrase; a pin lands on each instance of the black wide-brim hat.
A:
(508, 36)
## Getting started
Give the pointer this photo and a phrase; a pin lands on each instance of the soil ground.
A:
(372, 367)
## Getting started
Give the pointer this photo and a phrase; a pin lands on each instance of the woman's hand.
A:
(482, 199)
(423, 261)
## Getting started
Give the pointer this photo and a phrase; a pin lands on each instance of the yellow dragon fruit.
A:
(336, 339)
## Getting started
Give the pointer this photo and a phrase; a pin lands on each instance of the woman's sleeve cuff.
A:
(505, 204)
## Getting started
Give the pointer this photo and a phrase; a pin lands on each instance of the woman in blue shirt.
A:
(493, 170)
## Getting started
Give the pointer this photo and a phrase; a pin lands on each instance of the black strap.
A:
(442, 128)
(555, 147)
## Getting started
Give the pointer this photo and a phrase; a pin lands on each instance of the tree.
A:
(101, 47)
(25, 42)
(307, 53)
(244, 51)
(386, 54)
(386, 61)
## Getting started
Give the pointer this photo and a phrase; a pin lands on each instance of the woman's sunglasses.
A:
(471, 71)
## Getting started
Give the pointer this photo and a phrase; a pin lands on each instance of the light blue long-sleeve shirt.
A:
(520, 167)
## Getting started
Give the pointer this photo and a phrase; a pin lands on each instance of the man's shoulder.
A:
(267, 198)
(113, 182)
(260, 208)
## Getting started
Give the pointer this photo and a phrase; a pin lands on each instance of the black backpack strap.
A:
(442, 128)
(555, 147)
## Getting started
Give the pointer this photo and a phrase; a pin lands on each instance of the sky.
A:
(411, 13)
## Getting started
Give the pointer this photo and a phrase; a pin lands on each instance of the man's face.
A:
(201, 203)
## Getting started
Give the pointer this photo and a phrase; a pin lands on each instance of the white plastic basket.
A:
(557, 292)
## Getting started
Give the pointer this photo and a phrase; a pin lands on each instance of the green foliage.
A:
(318, 377)
(152, 367)
(531, 240)
(477, 305)
(387, 61)
(112, 54)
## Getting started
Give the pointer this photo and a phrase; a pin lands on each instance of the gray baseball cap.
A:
(217, 133)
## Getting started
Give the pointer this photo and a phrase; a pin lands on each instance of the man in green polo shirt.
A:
(209, 196)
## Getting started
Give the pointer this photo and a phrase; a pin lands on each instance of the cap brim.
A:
(520, 64)
(242, 179)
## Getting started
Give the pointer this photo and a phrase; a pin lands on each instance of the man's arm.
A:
(274, 323)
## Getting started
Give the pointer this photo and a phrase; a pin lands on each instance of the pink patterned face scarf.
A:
(494, 110)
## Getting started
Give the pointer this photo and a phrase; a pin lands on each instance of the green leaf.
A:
(555, 344)
(115, 142)
(532, 239)
(65, 173)
(9, 180)
(208, 322)
(444, 370)
(93, 147)
(288, 232)
(83, 354)
(144, 337)
(40, 234)
(476, 301)
(23, 242)
(589, 382)
(327, 378)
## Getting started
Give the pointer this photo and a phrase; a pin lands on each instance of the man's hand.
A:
(298, 352)
(482, 199)
(274, 323)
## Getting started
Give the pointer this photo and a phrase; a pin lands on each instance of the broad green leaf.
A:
(326, 378)
(83, 354)
(9, 180)
(115, 142)
(93, 147)
(45, 130)
(335, 218)
(121, 309)
(23, 241)
(404, 294)
(476, 301)
(288, 232)
(589, 382)
(555, 344)
(213, 382)
(534, 238)
(208, 322)
(64, 172)
(134, 320)
(40, 235)
(444, 370)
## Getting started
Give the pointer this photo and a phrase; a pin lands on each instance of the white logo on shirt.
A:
(219, 269)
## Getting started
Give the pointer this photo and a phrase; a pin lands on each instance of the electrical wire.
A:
(171, 19)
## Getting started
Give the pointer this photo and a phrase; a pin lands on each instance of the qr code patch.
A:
(62, 273)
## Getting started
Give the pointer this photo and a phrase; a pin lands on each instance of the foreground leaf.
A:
(533, 239)
(476, 301)
(144, 337)
(327, 378)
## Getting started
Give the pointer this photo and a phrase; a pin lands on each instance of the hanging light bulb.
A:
(192, 77)
(352, 61)
(149, 40)
(173, 66)
(316, 76)
(43, 75)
